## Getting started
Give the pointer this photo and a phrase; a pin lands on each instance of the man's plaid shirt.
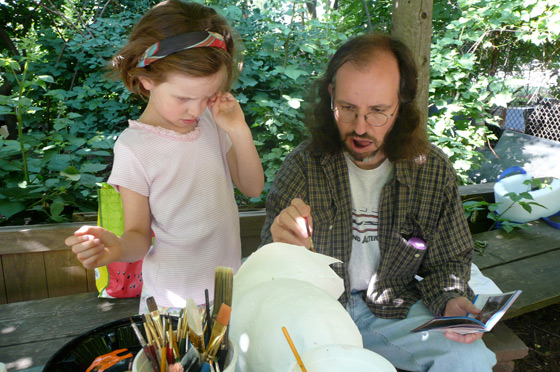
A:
(422, 200)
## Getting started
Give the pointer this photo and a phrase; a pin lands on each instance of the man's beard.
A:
(363, 158)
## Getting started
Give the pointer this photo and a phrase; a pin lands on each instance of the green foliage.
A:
(284, 52)
(68, 115)
(68, 112)
(478, 47)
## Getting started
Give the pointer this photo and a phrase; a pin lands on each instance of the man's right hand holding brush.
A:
(294, 225)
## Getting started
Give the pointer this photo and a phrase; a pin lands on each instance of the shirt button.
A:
(330, 227)
(417, 255)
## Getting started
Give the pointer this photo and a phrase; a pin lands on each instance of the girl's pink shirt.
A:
(194, 213)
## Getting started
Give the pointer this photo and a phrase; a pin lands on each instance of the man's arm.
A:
(290, 183)
(447, 265)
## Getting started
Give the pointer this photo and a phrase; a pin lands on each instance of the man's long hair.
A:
(407, 139)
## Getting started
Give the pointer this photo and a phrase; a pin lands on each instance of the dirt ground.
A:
(540, 331)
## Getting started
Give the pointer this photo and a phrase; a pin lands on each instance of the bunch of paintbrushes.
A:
(162, 344)
(199, 342)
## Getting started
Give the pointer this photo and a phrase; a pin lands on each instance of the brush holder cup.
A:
(141, 363)
(336, 358)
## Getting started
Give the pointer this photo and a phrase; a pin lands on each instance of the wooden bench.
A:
(35, 263)
(522, 259)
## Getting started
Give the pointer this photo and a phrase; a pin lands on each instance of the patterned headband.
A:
(177, 43)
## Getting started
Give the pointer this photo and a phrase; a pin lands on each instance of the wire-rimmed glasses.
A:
(349, 115)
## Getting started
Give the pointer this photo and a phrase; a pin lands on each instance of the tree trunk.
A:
(312, 8)
(412, 23)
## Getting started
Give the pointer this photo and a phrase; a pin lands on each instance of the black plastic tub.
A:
(81, 352)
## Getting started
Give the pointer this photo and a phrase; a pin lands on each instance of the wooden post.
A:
(412, 23)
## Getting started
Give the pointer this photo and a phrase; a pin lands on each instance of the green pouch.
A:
(118, 279)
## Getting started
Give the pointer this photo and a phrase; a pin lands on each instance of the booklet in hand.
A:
(493, 307)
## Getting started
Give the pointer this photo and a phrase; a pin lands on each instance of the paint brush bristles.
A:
(149, 323)
(218, 332)
(223, 286)
(154, 313)
(223, 294)
(194, 320)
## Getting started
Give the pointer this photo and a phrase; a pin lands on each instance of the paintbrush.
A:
(311, 246)
(294, 350)
(154, 313)
(194, 319)
(150, 340)
(208, 325)
(147, 351)
(184, 330)
(223, 292)
(218, 332)
(173, 350)
(154, 334)
(164, 351)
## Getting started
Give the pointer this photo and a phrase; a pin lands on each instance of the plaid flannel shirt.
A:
(419, 201)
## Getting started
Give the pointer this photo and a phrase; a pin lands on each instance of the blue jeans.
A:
(422, 351)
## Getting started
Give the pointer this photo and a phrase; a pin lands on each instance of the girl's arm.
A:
(95, 246)
(243, 160)
(245, 165)
(137, 237)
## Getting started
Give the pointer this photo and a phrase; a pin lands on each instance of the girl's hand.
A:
(227, 112)
(94, 246)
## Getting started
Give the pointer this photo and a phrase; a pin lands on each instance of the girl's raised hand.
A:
(227, 112)
(94, 246)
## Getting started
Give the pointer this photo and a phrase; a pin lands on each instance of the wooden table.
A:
(524, 259)
(33, 331)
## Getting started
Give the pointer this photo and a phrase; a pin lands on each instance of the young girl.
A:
(174, 166)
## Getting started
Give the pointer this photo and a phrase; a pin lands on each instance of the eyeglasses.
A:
(349, 115)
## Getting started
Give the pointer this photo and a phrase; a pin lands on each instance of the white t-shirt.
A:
(195, 218)
(365, 187)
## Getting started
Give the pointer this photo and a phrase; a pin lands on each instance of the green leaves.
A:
(71, 112)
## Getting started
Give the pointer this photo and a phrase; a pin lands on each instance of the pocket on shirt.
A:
(405, 259)
(323, 212)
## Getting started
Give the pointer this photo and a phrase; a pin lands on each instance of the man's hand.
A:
(460, 306)
(289, 226)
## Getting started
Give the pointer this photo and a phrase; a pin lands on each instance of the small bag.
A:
(118, 279)
(548, 197)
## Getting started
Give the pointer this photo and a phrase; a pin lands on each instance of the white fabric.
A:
(281, 260)
(365, 187)
(194, 214)
(481, 284)
(283, 285)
